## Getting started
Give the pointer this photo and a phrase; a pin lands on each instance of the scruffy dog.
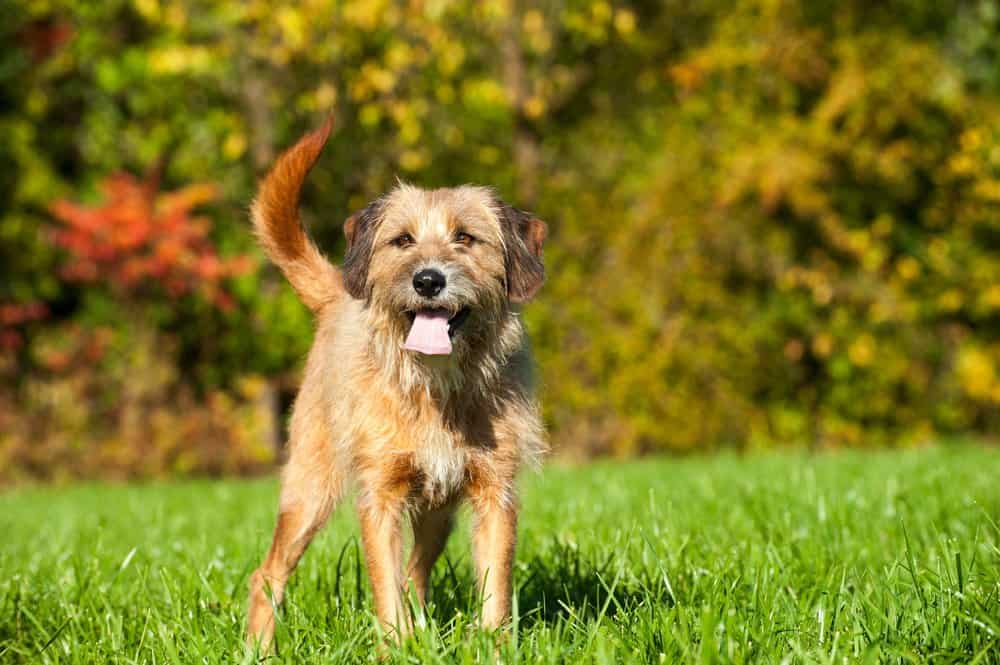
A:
(417, 390)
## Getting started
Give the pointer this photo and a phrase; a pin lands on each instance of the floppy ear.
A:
(524, 236)
(359, 229)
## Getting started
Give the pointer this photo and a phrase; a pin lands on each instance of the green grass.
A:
(886, 557)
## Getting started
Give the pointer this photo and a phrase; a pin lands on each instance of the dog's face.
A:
(443, 262)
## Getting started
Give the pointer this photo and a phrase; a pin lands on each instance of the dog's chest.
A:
(440, 461)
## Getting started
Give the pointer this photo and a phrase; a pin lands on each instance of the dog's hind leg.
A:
(310, 490)
(430, 534)
(297, 524)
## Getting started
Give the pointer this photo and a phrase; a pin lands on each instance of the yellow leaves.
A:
(190, 196)
(37, 102)
(858, 241)
(895, 161)
(180, 59)
(873, 254)
(234, 146)
(534, 107)
(593, 24)
(601, 11)
(686, 75)
(848, 85)
(979, 160)
(410, 132)
(251, 386)
(907, 268)
(822, 292)
(938, 256)
(963, 164)
(977, 373)
(453, 136)
(293, 27)
(489, 155)
(450, 55)
(951, 300)
(861, 352)
(539, 38)
(646, 80)
(788, 279)
(325, 96)
(625, 22)
(372, 79)
(879, 312)
(882, 226)
(816, 281)
(782, 201)
(533, 21)
(176, 15)
(363, 14)
(445, 93)
(540, 42)
(414, 160)
(779, 169)
(484, 92)
(988, 190)
(381, 80)
(407, 117)
(971, 139)
(148, 9)
(990, 298)
(399, 55)
(370, 115)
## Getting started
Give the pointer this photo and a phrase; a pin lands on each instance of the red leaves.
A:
(139, 239)
(43, 38)
(13, 315)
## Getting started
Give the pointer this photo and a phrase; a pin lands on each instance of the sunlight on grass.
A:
(864, 557)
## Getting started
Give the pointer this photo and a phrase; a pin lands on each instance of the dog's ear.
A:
(524, 236)
(359, 229)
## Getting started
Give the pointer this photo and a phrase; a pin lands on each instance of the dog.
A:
(417, 390)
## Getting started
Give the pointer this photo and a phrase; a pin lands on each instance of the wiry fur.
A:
(415, 434)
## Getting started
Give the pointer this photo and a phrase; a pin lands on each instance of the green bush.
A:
(772, 221)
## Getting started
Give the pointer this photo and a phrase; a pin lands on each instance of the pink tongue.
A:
(429, 334)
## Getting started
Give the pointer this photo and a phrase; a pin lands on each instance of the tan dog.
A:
(417, 389)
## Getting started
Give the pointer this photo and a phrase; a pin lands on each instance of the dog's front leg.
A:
(381, 535)
(494, 540)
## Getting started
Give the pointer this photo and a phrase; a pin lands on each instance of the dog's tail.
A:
(275, 215)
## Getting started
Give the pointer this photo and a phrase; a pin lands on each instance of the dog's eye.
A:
(404, 240)
(464, 238)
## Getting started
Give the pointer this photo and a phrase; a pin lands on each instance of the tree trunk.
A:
(525, 146)
(254, 90)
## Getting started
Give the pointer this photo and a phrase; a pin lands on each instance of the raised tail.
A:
(275, 215)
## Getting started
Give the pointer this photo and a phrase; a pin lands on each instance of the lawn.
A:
(885, 557)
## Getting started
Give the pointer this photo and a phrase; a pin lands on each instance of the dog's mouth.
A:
(431, 330)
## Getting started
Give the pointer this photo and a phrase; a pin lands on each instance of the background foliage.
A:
(772, 221)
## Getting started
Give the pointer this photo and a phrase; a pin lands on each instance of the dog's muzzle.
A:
(429, 282)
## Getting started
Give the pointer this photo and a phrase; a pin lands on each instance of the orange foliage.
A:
(139, 239)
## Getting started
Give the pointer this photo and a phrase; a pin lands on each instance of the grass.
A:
(885, 557)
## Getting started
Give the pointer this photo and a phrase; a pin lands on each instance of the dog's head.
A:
(442, 263)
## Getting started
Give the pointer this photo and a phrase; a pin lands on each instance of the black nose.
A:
(428, 282)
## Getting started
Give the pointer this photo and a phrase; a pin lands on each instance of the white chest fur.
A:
(441, 461)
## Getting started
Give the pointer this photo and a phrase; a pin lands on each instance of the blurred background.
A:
(773, 223)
